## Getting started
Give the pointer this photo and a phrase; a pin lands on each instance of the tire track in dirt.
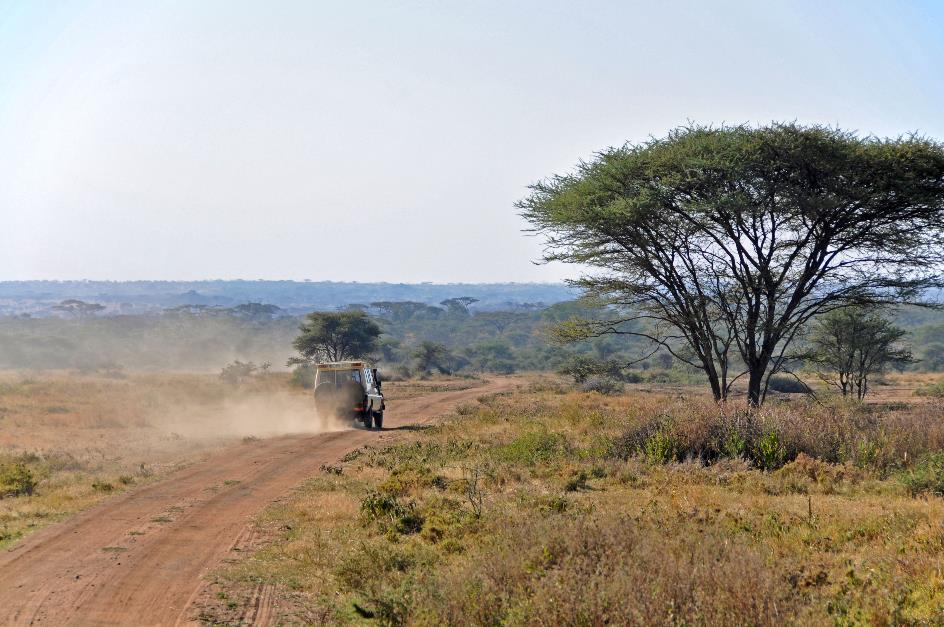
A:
(139, 558)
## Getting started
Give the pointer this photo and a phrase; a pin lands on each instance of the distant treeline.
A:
(296, 297)
(203, 337)
(454, 334)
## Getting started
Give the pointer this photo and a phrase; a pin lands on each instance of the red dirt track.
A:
(139, 558)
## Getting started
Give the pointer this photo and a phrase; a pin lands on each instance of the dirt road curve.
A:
(139, 558)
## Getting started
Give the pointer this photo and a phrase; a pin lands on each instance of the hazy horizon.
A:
(378, 142)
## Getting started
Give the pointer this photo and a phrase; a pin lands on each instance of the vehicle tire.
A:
(378, 419)
(368, 419)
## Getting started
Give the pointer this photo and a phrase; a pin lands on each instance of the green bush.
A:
(935, 389)
(533, 448)
(633, 440)
(378, 505)
(769, 452)
(16, 480)
(927, 476)
(660, 448)
(385, 508)
(734, 444)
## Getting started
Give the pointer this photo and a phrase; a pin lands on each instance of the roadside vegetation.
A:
(555, 506)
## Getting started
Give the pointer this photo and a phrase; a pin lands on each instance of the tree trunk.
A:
(708, 367)
(755, 384)
(716, 389)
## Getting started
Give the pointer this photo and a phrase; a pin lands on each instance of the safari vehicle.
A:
(350, 389)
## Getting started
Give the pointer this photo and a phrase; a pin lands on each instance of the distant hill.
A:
(130, 297)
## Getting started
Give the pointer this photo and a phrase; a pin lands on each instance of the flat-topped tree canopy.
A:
(729, 239)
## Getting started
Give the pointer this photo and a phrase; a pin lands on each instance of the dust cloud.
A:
(269, 414)
(102, 422)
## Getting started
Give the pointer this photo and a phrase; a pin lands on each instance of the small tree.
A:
(850, 344)
(430, 355)
(336, 336)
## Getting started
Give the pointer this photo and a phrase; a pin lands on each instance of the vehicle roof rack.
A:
(341, 365)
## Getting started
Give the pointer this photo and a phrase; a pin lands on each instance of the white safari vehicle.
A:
(350, 389)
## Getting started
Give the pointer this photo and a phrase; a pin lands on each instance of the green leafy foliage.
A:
(660, 448)
(768, 451)
(16, 480)
(337, 336)
(927, 476)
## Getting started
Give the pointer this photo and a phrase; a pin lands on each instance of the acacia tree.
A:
(853, 343)
(458, 306)
(78, 308)
(336, 336)
(726, 241)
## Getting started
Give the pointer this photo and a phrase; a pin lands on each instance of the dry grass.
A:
(84, 437)
(521, 510)
(431, 385)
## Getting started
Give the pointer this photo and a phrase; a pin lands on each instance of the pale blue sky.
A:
(222, 139)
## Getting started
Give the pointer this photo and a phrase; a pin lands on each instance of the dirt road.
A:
(139, 558)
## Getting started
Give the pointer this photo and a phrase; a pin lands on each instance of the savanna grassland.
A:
(550, 506)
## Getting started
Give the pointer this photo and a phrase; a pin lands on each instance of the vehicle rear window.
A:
(338, 377)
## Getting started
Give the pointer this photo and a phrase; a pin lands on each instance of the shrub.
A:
(927, 476)
(385, 508)
(734, 444)
(580, 368)
(583, 369)
(769, 452)
(660, 448)
(787, 384)
(633, 440)
(935, 389)
(602, 385)
(533, 448)
(237, 371)
(501, 366)
(377, 505)
(16, 480)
